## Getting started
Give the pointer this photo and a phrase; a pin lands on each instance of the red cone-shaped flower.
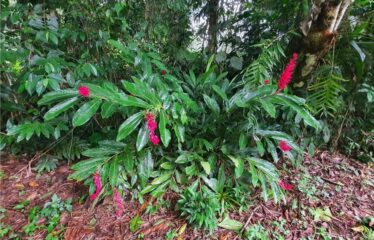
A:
(84, 91)
(284, 146)
(285, 186)
(285, 77)
(152, 126)
(98, 186)
(118, 202)
(154, 138)
(163, 72)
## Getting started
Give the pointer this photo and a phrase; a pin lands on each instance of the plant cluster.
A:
(137, 111)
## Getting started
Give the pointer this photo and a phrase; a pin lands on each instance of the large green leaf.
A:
(142, 139)
(85, 112)
(128, 126)
(290, 102)
(113, 171)
(85, 169)
(164, 132)
(60, 108)
(56, 96)
(211, 103)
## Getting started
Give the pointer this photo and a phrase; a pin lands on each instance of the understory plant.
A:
(140, 123)
(177, 129)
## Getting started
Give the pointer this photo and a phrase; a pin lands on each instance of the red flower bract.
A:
(285, 186)
(163, 72)
(285, 77)
(117, 199)
(154, 138)
(152, 126)
(98, 186)
(284, 146)
(266, 81)
(84, 91)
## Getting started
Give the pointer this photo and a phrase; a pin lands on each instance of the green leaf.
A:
(272, 149)
(358, 50)
(243, 141)
(85, 112)
(164, 132)
(236, 63)
(85, 169)
(93, 69)
(211, 103)
(161, 179)
(60, 108)
(135, 223)
(206, 167)
(128, 160)
(53, 38)
(286, 101)
(220, 92)
(56, 96)
(128, 126)
(107, 109)
(179, 132)
(142, 139)
(113, 171)
(268, 107)
(230, 224)
(239, 165)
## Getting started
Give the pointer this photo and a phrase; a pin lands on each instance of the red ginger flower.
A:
(98, 186)
(151, 123)
(118, 203)
(266, 81)
(285, 186)
(152, 126)
(284, 146)
(163, 72)
(154, 138)
(84, 91)
(285, 77)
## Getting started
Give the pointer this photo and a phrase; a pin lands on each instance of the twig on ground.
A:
(248, 220)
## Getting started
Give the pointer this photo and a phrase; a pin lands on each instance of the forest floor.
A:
(333, 197)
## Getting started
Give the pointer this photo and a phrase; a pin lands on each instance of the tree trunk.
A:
(320, 30)
(213, 6)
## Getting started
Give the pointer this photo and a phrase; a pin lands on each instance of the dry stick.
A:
(330, 181)
(248, 220)
(340, 130)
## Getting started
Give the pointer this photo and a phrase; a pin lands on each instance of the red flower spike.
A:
(98, 186)
(117, 199)
(163, 72)
(84, 91)
(152, 126)
(284, 146)
(285, 186)
(285, 77)
(266, 81)
(154, 138)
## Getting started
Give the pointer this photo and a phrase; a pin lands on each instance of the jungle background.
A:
(172, 119)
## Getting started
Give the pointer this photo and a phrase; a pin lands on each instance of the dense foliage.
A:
(115, 88)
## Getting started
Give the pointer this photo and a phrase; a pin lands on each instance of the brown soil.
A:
(343, 185)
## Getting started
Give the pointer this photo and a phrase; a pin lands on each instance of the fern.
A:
(28, 129)
(70, 148)
(47, 164)
(261, 68)
(325, 96)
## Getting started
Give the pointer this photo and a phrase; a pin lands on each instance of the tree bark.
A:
(213, 6)
(320, 30)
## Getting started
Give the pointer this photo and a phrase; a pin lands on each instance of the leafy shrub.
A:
(199, 206)
(104, 88)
